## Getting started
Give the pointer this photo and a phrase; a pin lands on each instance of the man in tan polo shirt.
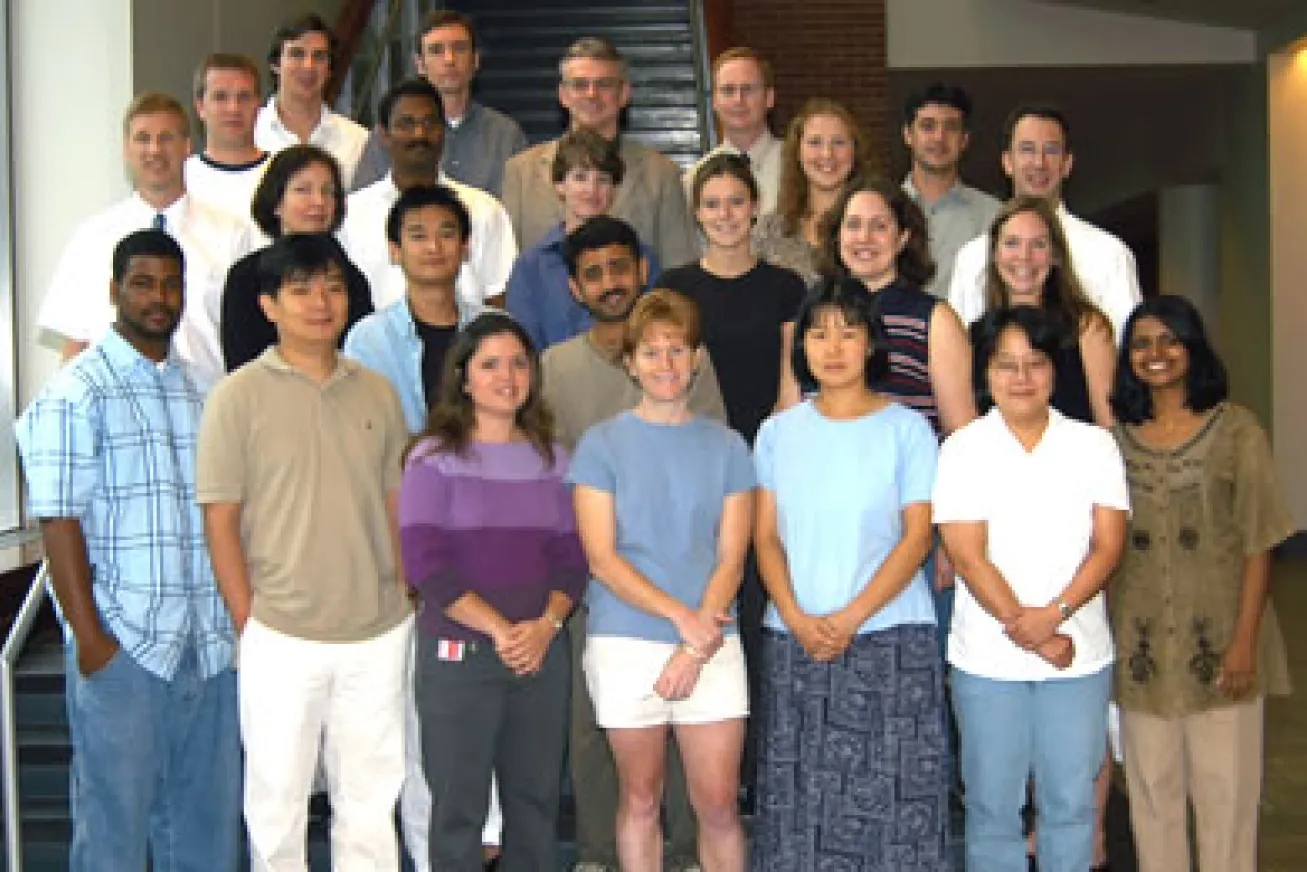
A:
(298, 473)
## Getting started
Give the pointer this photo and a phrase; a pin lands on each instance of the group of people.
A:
(737, 480)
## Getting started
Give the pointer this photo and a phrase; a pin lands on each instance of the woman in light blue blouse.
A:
(853, 759)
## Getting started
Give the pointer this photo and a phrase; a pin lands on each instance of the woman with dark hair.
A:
(877, 234)
(853, 705)
(1198, 644)
(301, 192)
(1030, 265)
(489, 543)
(1031, 505)
(824, 148)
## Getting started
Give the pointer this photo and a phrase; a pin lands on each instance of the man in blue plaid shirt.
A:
(109, 454)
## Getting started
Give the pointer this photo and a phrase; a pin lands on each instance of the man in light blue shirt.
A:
(109, 454)
(428, 230)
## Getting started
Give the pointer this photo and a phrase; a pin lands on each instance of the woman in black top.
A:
(747, 306)
(301, 192)
(1030, 265)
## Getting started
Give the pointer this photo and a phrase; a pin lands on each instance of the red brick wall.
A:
(822, 48)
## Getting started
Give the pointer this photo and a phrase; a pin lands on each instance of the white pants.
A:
(415, 799)
(348, 699)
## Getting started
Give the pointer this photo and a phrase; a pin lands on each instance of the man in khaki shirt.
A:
(298, 472)
(594, 90)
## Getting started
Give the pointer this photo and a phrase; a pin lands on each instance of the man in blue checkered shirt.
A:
(109, 454)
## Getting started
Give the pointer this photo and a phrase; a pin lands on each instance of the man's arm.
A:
(70, 571)
(222, 528)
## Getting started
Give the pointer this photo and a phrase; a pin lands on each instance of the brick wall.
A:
(822, 48)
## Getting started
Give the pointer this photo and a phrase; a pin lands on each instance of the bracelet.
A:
(558, 625)
(693, 651)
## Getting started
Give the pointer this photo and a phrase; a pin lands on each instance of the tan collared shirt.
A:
(311, 466)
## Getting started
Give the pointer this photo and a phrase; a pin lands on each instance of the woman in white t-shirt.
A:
(1032, 507)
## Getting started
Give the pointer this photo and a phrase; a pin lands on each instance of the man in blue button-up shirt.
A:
(109, 454)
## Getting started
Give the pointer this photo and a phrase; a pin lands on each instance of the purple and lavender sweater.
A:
(497, 522)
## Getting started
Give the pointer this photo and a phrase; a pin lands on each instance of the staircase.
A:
(521, 42)
(43, 754)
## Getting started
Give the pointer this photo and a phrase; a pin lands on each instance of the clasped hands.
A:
(701, 637)
(1034, 629)
(522, 646)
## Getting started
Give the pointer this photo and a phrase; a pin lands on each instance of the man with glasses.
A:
(743, 93)
(594, 90)
(478, 140)
(413, 129)
(1037, 158)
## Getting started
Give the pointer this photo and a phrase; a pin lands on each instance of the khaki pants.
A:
(1212, 759)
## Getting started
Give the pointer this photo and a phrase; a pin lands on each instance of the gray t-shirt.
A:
(669, 483)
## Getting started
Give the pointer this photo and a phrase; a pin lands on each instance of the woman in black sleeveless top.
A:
(1030, 265)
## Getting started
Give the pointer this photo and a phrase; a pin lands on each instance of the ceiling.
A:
(1249, 14)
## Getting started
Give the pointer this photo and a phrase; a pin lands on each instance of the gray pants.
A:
(594, 778)
(478, 717)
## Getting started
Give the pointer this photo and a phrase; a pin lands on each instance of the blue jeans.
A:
(1055, 729)
(156, 768)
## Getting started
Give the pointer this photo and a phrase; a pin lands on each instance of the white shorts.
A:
(621, 672)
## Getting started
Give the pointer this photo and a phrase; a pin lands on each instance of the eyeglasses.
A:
(1052, 150)
(605, 85)
(1011, 367)
(730, 92)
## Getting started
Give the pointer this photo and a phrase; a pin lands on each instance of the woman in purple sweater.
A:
(490, 548)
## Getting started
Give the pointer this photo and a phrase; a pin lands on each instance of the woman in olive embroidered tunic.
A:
(1198, 645)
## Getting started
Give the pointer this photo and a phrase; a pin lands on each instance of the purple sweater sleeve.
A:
(428, 546)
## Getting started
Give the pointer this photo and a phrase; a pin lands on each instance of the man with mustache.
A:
(109, 455)
(936, 130)
(1037, 157)
(586, 381)
(413, 129)
(300, 59)
(156, 142)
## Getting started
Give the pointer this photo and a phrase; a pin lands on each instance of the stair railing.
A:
(702, 77)
(15, 641)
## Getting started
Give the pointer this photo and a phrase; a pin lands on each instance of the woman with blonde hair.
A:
(824, 148)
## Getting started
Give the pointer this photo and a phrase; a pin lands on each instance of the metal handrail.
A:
(362, 92)
(702, 77)
(15, 641)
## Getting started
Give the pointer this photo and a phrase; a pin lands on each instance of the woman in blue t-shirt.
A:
(852, 765)
(664, 504)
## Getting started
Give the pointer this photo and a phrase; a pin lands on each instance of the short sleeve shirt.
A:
(840, 490)
(669, 483)
(1038, 511)
(1200, 510)
(311, 466)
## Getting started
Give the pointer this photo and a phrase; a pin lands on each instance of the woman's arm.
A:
(1098, 353)
(967, 543)
(1239, 661)
(732, 545)
(789, 393)
(774, 569)
(596, 521)
(949, 362)
(894, 574)
(1037, 624)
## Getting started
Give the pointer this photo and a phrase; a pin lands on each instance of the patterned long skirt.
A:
(853, 761)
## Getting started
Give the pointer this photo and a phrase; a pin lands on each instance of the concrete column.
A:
(1190, 247)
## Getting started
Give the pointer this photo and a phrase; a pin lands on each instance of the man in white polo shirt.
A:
(1037, 157)
(742, 94)
(413, 129)
(231, 166)
(156, 141)
(300, 59)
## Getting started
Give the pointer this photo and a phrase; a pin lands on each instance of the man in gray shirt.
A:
(936, 128)
(478, 140)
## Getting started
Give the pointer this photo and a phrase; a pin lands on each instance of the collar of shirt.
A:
(122, 354)
(757, 152)
(270, 116)
(959, 193)
(401, 317)
(174, 214)
(345, 367)
(1003, 435)
(468, 119)
(554, 238)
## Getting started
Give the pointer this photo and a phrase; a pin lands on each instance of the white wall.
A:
(1287, 80)
(928, 34)
(67, 152)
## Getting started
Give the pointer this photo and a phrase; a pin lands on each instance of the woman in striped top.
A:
(877, 234)
(489, 543)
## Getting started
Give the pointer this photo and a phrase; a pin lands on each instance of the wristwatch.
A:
(1063, 609)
